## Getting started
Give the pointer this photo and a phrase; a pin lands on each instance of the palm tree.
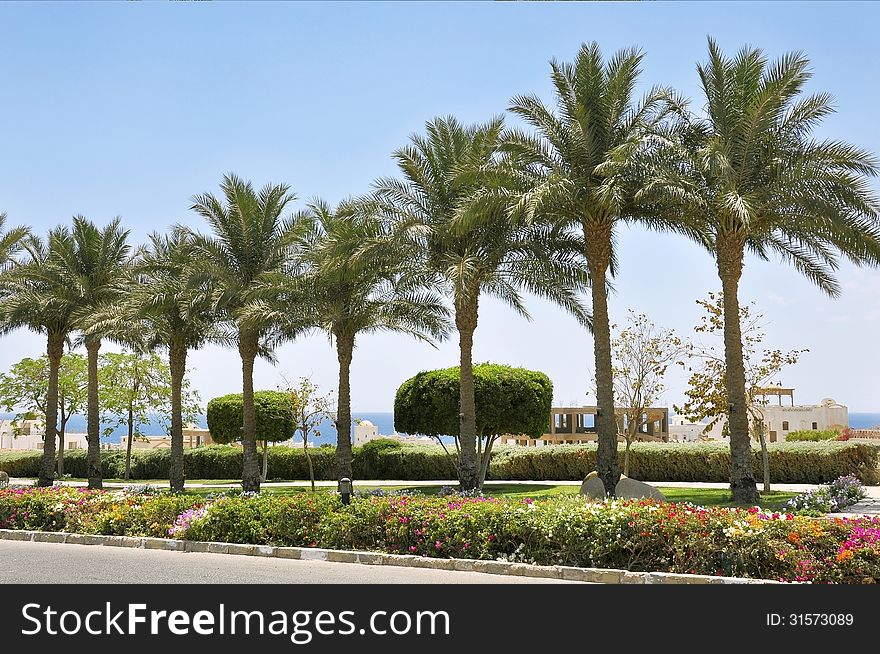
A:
(351, 294)
(37, 295)
(10, 241)
(471, 245)
(97, 265)
(580, 170)
(252, 247)
(753, 174)
(166, 308)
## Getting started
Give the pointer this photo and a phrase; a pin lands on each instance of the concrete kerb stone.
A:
(371, 558)
(49, 537)
(312, 554)
(16, 534)
(568, 573)
(592, 575)
(241, 549)
(288, 552)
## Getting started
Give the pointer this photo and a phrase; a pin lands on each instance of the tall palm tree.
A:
(10, 241)
(252, 247)
(752, 172)
(37, 295)
(167, 307)
(351, 294)
(580, 170)
(473, 247)
(98, 265)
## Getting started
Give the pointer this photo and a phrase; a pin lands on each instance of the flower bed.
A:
(828, 498)
(632, 535)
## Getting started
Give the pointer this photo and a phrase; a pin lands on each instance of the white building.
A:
(780, 419)
(682, 431)
(364, 431)
(29, 435)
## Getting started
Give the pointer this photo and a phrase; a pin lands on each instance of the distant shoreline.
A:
(384, 421)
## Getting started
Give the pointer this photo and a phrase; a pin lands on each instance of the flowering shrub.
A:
(184, 521)
(839, 494)
(382, 492)
(639, 535)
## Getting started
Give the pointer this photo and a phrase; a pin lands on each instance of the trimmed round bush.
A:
(274, 414)
(508, 401)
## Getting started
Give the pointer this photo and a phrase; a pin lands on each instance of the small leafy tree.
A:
(707, 397)
(641, 353)
(273, 416)
(135, 385)
(26, 387)
(508, 401)
(310, 409)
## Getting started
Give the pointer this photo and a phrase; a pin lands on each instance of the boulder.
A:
(591, 475)
(593, 488)
(631, 489)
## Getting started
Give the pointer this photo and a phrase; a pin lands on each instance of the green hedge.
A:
(379, 459)
(812, 463)
(801, 463)
(812, 436)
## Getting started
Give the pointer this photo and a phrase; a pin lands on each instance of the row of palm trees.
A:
(476, 210)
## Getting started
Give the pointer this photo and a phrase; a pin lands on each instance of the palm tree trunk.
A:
(469, 465)
(598, 253)
(344, 353)
(264, 475)
(128, 446)
(93, 456)
(177, 364)
(54, 350)
(742, 474)
(250, 476)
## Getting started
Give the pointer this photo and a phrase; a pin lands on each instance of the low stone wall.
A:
(865, 434)
(567, 573)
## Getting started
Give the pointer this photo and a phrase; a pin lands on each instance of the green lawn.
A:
(774, 501)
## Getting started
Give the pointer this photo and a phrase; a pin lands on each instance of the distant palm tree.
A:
(350, 295)
(97, 264)
(470, 243)
(10, 241)
(580, 170)
(166, 307)
(38, 295)
(752, 172)
(251, 249)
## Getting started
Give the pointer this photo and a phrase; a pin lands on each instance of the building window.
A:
(815, 425)
(785, 425)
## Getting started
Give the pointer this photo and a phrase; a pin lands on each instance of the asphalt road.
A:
(50, 563)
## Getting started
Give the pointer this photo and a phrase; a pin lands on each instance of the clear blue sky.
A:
(131, 108)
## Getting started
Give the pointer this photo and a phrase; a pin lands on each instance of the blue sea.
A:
(383, 420)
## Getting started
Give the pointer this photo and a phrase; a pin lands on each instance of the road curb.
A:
(566, 573)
